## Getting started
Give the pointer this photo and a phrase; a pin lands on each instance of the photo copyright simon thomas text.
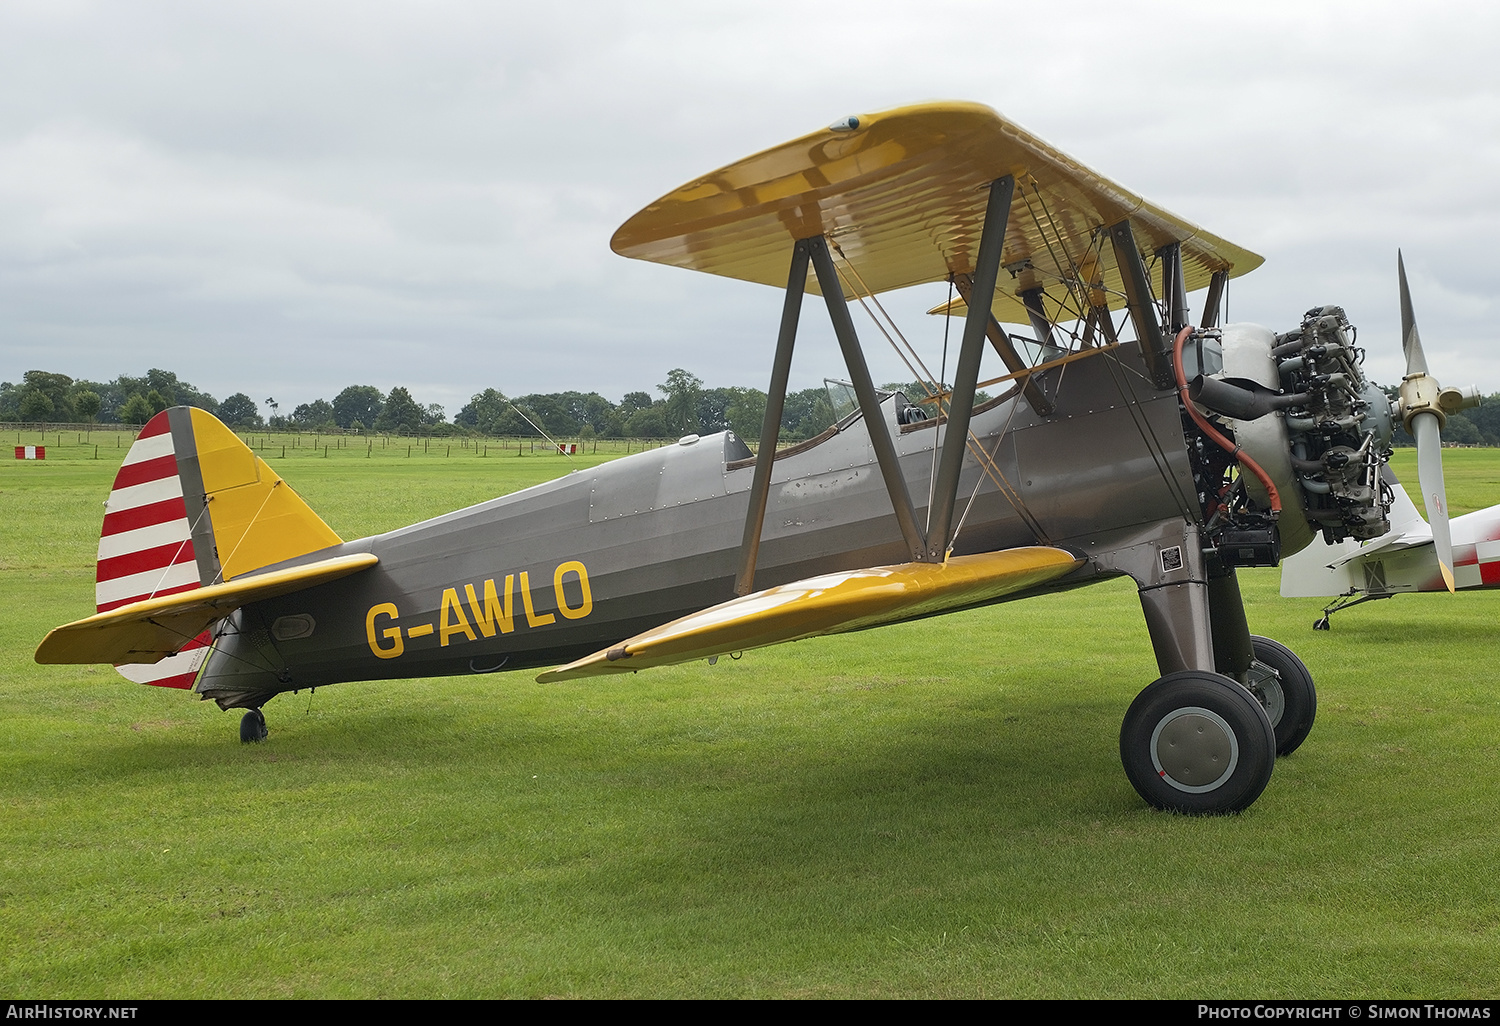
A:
(1297, 1010)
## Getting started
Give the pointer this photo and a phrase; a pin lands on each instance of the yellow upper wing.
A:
(830, 604)
(903, 195)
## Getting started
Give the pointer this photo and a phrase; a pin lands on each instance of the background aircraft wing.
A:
(829, 604)
(902, 194)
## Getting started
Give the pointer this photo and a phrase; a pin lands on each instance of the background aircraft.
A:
(1401, 562)
(1415, 555)
(1129, 443)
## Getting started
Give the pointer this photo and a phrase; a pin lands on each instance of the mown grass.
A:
(934, 809)
(1471, 477)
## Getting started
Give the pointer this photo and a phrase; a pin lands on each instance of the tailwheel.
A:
(1285, 689)
(253, 727)
(1197, 742)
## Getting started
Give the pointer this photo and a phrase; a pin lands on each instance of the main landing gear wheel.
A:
(253, 727)
(1288, 695)
(1197, 742)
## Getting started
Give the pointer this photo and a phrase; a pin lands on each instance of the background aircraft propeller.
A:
(1424, 407)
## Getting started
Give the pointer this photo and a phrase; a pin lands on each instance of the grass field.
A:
(935, 809)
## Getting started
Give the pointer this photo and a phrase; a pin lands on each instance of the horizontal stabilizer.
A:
(1387, 545)
(1324, 571)
(1408, 529)
(829, 604)
(152, 629)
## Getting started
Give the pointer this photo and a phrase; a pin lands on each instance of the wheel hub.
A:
(1194, 749)
(1265, 685)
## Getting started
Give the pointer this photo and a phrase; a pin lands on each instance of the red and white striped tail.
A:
(146, 548)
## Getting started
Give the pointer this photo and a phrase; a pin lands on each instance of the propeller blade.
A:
(1430, 472)
(1411, 342)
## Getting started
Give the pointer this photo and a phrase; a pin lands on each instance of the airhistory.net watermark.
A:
(67, 1010)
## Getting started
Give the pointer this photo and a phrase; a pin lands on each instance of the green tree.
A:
(36, 405)
(806, 414)
(86, 403)
(481, 411)
(491, 413)
(1486, 417)
(240, 411)
(682, 390)
(399, 413)
(316, 414)
(167, 384)
(1461, 429)
(634, 401)
(553, 413)
(135, 410)
(746, 413)
(594, 411)
(713, 409)
(54, 387)
(615, 421)
(649, 423)
(357, 402)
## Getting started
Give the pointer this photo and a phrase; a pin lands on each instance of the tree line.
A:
(684, 406)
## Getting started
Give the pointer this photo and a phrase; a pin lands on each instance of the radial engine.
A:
(1315, 430)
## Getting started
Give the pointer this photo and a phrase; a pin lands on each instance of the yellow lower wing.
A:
(830, 604)
(152, 629)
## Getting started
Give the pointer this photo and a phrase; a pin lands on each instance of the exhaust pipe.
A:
(1241, 398)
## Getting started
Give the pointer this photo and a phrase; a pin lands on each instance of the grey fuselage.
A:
(587, 560)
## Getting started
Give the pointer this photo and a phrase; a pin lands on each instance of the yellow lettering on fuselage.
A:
(584, 608)
(493, 614)
(490, 611)
(532, 619)
(460, 625)
(393, 634)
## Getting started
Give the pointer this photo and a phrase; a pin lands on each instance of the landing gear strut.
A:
(253, 727)
(1325, 622)
(1197, 742)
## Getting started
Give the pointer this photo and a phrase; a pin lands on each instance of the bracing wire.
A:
(986, 462)
(173, 561)
(218, 576)
(550, 440)
(924, 377)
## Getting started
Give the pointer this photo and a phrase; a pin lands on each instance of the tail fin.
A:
(190, 507)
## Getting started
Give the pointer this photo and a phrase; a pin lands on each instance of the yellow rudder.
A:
(257, 518)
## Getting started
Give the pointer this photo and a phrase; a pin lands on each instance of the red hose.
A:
(1212, 432)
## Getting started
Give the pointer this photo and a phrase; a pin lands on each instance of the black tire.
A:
(253, 727)
(1297, 705)
(1199, 743)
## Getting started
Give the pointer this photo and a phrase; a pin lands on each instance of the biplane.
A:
(1123, 440)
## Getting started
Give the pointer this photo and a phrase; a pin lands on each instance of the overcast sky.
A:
(287, 198)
